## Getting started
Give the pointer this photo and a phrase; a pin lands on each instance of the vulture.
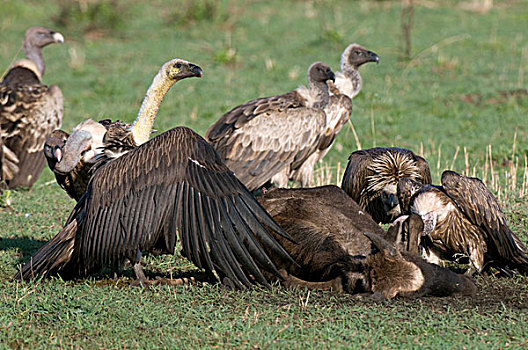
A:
(339, 247)
(172, 186)
(371, 179)
(339, 107)
(29, 112)
(462, 218)
(71, 157)
(270, 138)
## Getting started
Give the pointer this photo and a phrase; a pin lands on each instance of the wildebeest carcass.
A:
(340, 247)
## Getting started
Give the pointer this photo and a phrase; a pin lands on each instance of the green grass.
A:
(452, 94)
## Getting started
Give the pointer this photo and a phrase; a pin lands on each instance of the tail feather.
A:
(53, 256)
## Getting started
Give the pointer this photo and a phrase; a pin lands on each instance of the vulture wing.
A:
(423, 170)
(338, 110)
(28, 114)
(262, 137)
(482, 209)
(355, 179)
(174, 185)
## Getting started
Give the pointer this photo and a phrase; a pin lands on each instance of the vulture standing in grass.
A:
(462, 218)
(270, 138)
(371, 179)
(29, 112)
(71, 157)
(339, 108)
(333, 252)
(174, 185)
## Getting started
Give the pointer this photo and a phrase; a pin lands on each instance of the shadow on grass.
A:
(27, 246)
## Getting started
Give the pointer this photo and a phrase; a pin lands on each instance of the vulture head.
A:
(53, 148)
(35, 39)
(84, 143)
(386, 170)
(355, 55)
(319, 72)
(178, 69)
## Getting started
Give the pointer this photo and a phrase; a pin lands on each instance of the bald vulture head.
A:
(53, 147)
(35, 39)
(355, 55)
(320, 72)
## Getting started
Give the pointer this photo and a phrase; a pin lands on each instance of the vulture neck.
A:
(142, 127)
(352, 74)
(34, 54)
(319, 90)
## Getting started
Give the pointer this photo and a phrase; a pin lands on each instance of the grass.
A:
(460, 101)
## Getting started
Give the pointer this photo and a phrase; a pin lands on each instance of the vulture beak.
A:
(57, 152)
(57, 37)
(372, 57)
(76, 144)
(196, 70)
(332, 77)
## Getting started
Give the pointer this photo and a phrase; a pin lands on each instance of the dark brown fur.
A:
(328, 227)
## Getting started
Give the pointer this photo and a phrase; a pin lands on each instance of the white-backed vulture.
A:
(97, 142)
(339, 108)
(333, 252)
(371, 179)
(29, 112)
(269, 138)
(348, 82)
(173, 186)
(462, 218)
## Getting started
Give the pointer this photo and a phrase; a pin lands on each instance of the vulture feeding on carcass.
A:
(371, 178)
(462, 218)
(271, 138)
(71, 157)
(339, 108)
(339, 247)
(172, 186)
(29, 112)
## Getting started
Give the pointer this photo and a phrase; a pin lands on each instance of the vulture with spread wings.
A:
(71, 157)
(29, 112)
(371, 179)
(270, 139)
(462, 218)
(173, 186)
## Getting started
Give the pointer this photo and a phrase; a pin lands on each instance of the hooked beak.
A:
(57, 37)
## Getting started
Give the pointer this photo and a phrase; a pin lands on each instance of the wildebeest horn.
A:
(382, 244)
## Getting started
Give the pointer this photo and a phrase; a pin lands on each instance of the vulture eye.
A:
(359, 53)
(178, 65)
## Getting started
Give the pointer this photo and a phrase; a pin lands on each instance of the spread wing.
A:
(28, 114)
(173, 186)
(261, 138)
(482, 209)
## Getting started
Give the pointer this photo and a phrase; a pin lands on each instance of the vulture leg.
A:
(335, 285)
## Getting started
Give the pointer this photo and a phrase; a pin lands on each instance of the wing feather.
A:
(482, 209)
(197, 197)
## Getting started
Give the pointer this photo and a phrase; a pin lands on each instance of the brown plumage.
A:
(339, 107)
(462, 218)
(371, 179)
(269, 138)
(29, 112)
(99, 142)
(173, 186)
(332, 251)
